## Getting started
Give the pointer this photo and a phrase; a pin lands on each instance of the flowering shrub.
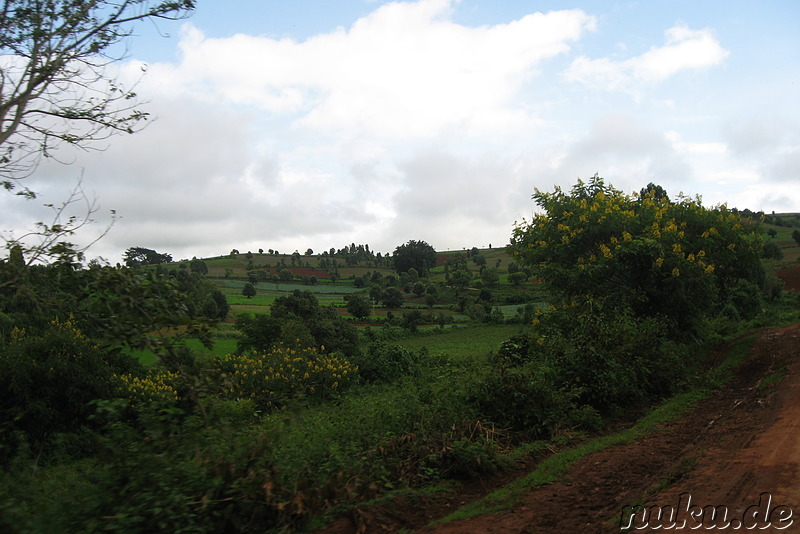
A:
(155, 388)
(272, 378)
(660, 258)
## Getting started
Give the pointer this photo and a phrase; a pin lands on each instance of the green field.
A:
(464, 342)
(221, 347)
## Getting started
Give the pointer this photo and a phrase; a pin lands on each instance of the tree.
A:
(796, 236)
(249, 290)
(654, 192)
(55, 87)
(490, 276)
(461, 278)
(673, 261)
(56, 90)
(771, 251)
(411, 320)
(418, 255)
(517, 278)
(392, 298)
(285, 275)
(198, 266)
(140, 256)
(772, 232)
(324, 326)
(259, 332)
(418, 289)
(358, 305)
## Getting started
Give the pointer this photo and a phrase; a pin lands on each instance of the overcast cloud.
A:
(408, 123)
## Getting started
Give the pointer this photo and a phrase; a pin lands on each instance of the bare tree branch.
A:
(46, 242)
(56, 89)
(54, 84)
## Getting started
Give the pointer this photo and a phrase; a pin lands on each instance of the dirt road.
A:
(739, 449)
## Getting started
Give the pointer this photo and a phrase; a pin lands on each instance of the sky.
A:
(296, 124)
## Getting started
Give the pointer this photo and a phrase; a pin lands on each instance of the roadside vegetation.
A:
(161, 397)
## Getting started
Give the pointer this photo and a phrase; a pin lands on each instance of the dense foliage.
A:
(301, 415)
(140, 256)
(417, 255)
(675, 261)
(634, 281)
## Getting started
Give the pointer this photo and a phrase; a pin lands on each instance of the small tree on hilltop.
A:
(418, 255)
(140, 256)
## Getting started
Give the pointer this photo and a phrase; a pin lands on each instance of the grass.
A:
(464, 342)
(772, 379)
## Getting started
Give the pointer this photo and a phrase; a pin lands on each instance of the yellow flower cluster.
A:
(274, 377)
(17, 334)
(69, 327)
(156, 387)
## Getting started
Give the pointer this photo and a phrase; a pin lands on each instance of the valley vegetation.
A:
(159, 396)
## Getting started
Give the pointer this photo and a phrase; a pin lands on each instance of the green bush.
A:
(611, 358)
(524, 399)
(386, 362)
(47, 382)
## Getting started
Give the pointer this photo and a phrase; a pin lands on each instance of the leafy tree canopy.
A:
(358, 305)
(249, 290)
(140, 256)
(676, 260)
(417, 255)
(325, 326)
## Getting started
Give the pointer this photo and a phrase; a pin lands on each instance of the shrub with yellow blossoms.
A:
(158, 387)
(657, 257)
(272, 378)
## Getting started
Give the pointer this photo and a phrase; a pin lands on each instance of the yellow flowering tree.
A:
(675, 260)
(274, 377)
(155, 388)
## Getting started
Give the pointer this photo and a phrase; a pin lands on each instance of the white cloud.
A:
(684, 49)
(404, 70)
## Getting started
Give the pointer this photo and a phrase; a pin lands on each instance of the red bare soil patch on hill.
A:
(728, 450)
(790, 277)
